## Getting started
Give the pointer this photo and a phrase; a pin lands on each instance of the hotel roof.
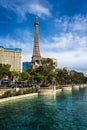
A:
(11, 49)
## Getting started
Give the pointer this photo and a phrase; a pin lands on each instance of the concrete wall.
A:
(46, 91)
(18, 97)
(67, 88)
(75, 87)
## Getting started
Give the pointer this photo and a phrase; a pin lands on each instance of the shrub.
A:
(30, 90)
(11, 93)
(7, 94)
(18, 93)
(58, 87)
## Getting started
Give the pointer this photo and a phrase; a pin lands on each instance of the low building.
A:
(26, 65)
(12, 57)
(54, 61)
(66, 69)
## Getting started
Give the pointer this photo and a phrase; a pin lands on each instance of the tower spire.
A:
(36, 51)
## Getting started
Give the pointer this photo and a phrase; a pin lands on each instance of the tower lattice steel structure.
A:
(36, 58)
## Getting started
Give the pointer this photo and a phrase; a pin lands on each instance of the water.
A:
(60, 112)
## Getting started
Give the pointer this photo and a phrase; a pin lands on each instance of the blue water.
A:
(61, 112)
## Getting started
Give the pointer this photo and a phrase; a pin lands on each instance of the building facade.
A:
(54, 61)
(12, 57)
(26, 65)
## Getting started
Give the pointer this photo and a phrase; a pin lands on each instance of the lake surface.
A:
(61, 112)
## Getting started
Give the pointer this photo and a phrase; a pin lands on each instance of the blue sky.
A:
(62, 29)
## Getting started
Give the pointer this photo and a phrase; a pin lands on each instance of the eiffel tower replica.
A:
(36, 58)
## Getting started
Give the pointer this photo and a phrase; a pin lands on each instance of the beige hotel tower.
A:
(12, 57)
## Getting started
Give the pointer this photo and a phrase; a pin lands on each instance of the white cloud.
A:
(25, 43)
(70, 45)
(75, 60)
(66, 41)
(75, 23)
(21, 8)
(79, 23)
(70, 49)
(39, 10)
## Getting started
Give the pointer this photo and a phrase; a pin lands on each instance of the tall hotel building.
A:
(12, 57)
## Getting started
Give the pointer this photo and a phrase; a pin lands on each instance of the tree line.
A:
(46, 74)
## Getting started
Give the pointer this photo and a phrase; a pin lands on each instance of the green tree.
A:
(23, 76)
(5, 70)
(44, 73)
(47, 70)
(62, 77)
(77, 78)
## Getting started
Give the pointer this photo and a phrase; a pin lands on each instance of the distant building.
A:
(72, 72)
(26, 65)
(12, 57)
(67, 69)
(54, 61)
